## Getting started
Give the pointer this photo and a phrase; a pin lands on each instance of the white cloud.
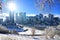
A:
(31, 15)
(45, 15)
(5, 14)
(57, 15)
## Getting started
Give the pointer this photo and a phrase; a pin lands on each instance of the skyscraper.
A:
(41, 17)
(11, 17)
(17, 18)
(51, 16)
(21, 17)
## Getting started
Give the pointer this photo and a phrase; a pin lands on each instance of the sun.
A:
(12, 6)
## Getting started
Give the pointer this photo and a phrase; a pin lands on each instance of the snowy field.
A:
(30, 37)
(23, 37)
(29, 32)
(19, 37)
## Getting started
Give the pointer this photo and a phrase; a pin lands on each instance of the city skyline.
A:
(28, 6)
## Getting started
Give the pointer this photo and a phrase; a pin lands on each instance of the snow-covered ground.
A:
(29, 32)
(19, 37)
(25, 37)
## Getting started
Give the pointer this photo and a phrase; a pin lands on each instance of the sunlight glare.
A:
(11, 6)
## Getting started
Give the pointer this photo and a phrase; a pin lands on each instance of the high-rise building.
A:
(21, 17)
(7, 19)
(51, 16)
(17, 18)
(1, 21)
(41, 17)
(11, 17)
(45, 18)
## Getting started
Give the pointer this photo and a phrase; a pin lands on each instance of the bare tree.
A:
(33, 31)
(41, 5)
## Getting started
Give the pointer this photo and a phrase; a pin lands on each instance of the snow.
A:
(12, 37)
(20, 37)
(29, 32)
(17, 37)
(25, 37)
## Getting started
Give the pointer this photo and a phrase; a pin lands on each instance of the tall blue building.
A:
(11, 15)
(17, 18)
(1, 21)
(21, 17)
(50, 16)
(41, 17)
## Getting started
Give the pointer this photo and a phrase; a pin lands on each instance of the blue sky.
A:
(28, 6)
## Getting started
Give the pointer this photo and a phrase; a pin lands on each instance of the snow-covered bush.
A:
(50, 32)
